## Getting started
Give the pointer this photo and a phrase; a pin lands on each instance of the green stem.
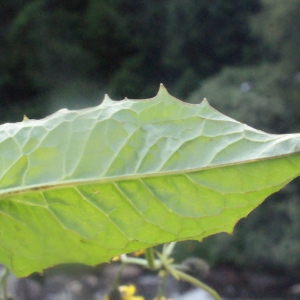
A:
(115, 283)
(139, 261)
(150, 258)
(197, 283)
(161, 288)
(3, 284)
(168, 249)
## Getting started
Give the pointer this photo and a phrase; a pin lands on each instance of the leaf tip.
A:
(107, 100)
(162, 89)
(25, 118)
(163, 92)
(205, 102)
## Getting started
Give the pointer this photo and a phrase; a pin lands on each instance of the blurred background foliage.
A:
(241, 55)
(119, 47)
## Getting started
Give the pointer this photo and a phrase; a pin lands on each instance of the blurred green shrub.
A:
(121, 46)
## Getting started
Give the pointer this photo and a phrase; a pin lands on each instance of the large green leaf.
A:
(83, 186)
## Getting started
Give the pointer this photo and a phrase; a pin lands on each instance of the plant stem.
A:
(161, 288)
(168, 249)
(197, 283)
(117, 278)
(3, 284)
(139, 261)
(150, 258)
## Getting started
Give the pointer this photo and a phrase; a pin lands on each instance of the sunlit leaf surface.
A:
(83, 186)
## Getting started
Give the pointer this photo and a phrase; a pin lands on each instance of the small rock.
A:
(195, 294)
(294, 290)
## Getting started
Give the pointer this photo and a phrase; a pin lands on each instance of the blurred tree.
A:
(45, 45)
(127, 47)
(204, 36)
(279, 26)
(127, 39)
(43, 52)
(247, 94)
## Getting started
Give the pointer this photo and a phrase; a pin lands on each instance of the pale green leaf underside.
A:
(83, 186)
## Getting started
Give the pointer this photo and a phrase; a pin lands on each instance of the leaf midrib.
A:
(71, 183)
